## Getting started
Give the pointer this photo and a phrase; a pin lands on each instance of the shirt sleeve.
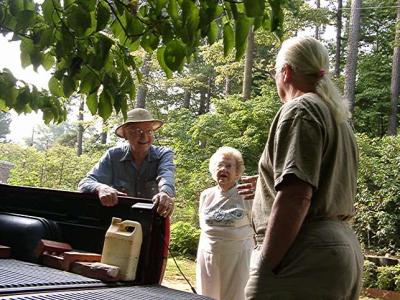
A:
(101, 173)
(166, 173)
(298, 148)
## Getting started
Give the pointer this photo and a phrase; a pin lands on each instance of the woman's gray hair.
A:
(310, 58)
(227, 152)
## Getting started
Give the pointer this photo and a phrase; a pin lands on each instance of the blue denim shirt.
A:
(117, 169)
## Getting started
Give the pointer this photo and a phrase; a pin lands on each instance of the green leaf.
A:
(90, 83)
(78, 19)
(212, 32)
(172, 9)
(160, 4)
(68, 3)
(16, 6)
(134, 27)
(47, 115)
(68, 86)
(36, 59)
(48, 61)
(25, 59)
(89, 5)
(55, 87)
(254, 8)
(25, 19)
(174, 55)
(92, 103)
(105, 104)
(103, 15)
(49, 11)
(242, 27)
(229, 38)
(29, 5)
(191, 19)
(22, 100)
(45, 38)
(276, 17)
(161, 61)
(149, 41)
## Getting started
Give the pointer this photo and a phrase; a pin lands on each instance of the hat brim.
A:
(156, 125)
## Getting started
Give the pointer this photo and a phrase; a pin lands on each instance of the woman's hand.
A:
(247, 187)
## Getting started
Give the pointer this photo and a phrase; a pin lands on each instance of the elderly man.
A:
(136, 169)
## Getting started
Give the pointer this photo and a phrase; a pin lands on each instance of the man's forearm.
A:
(286, 218)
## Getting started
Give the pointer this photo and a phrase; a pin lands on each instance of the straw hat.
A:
(138, 115)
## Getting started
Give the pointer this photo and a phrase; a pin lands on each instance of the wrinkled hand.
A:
(108, 196)
(248, 187)
(164, 204)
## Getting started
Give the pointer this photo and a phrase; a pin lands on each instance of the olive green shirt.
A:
(306, 141)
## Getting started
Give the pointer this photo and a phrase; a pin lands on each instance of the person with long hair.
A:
(304, 198)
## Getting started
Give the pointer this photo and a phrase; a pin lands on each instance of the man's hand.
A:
(108, 196)
(247, 187)
(164, 204)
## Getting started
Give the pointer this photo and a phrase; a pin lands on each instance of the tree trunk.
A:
(202, 106)
(142, 90)
(247, 78)
(79, 139)
(227, 85)
(103, 137)
(318, 2)
(338, 37)
(394, 100)
(351, 63)
(186, 98)
(209, 94)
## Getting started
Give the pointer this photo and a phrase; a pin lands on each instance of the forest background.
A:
(219, 99)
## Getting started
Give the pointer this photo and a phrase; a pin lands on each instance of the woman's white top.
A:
(224, 218)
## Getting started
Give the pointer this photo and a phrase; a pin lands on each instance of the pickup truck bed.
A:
(29, 214)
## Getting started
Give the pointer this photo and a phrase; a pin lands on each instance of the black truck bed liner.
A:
(80, 220)
(154, 292)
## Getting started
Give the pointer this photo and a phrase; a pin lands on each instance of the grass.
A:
(187, 266)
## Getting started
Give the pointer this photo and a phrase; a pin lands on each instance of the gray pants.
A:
(325, 262)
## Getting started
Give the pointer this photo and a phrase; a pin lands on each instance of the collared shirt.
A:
(117, 169)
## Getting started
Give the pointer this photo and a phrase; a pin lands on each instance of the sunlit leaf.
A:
(161, 61)
(48, 61)
(254, 8)
(92, 102)
(68, 86)
(103, 15)
(229, 38)
(55, 87)
(242, 27)
(78, 19)
(174, 55)
(212, 32)
(105, 104)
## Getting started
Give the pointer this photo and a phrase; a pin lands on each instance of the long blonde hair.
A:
(309, 57)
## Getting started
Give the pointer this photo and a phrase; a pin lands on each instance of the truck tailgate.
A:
(24, 280)
(152, 292)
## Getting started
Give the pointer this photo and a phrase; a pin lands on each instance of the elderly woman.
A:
(226, 239)
(304, 197)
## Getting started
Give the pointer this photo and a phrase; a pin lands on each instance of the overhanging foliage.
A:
(91, 44)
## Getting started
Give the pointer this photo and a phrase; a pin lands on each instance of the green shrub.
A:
(397, 283)
(370, 274)
(184, 239)
(386, 278)
(377, 219)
